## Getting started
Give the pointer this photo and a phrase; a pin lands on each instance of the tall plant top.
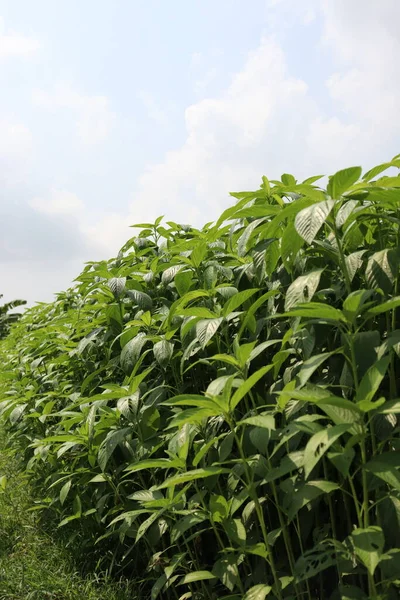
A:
(214, 411)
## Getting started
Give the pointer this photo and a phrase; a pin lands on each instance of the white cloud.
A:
(16, 44)
(94, 117)
(15, 151)
(231, 141)
(267, 121)
(59, 202)
(363, 36)
(154, 110)
(15, 139)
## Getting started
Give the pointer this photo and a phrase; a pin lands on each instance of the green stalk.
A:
(260, 515)
(342, 259)
(332, 518)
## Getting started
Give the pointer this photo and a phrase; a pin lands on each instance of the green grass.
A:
(33, 566)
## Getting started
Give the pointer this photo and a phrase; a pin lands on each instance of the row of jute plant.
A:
(214, 411)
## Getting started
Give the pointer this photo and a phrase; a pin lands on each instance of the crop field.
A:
(213, 413)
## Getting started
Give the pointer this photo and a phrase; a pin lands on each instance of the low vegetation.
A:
(32, 565)
(213, 413)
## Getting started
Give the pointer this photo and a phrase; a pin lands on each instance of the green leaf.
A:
(235, 531)
(206, 329)
(319, 443)
(315, 310)
(183, 282)
(263, 421)
(368, 546)
(163, 351)
(131, 352)
(106, 450)
(354, 262)
(308, 492)
(183, 525)
(196, 576)
(258, 592)
(371, 381)
(381, 270)
(64, 491)
(384, 307)
(342, 181)
(117, 286)
(198, 254)
(302, 289)
(190, 476)
(219, 508)
(353, 304)
(226, 569)
(237, 300)
(383, 469)
(153, 463)
(247, 385)
(142, 299)
(310, 365)
(310, 220)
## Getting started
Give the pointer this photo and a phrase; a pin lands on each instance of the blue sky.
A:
(115, 111)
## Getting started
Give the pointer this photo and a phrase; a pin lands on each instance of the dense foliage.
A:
(217, 408)
(7, 318)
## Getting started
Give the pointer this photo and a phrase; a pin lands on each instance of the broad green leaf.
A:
(310, 365)
(385, 470)
(247, 385)
(310, 220)
(206, 329)
(117, 286)
(319, 443)
(219, 508)
(302, 289)
(190, 476)
(198, 254)
(163, 351)
(64, 491)
(371, 381)
(196, 576)
(368, 546)
(131, 352)
(186, 523)
(315, 310)
(142, 299)
(384, 307)
(354, 262)
(308, 492)
(342, 181)
(353, 304)
(263, 421)
(237, 300)
(153, 463)
(381, 270)
(226, 569)
(257, 592)
(344, 212)
(183, 282)
(291, 243)
(106, 450)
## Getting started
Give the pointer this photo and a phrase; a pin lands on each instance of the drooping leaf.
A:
(206, 329)
(319, 443)
(342, 181)
(163, 351)
(310, 220)
(302, 289)
(368, 546)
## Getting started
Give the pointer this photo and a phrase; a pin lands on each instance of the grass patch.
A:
(33, 566)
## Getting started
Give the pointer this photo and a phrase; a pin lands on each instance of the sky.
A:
(114, 112)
